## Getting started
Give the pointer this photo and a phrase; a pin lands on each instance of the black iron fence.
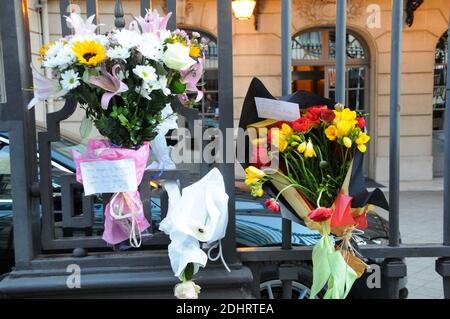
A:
(34, 214)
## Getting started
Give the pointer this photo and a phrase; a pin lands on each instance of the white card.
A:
(277, 110)
(109, 176)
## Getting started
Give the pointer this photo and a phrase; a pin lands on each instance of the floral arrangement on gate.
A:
(124, 81)
(319, 156)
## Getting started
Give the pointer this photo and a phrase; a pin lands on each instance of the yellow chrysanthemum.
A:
(331, 132)
(253, 175)
(194, 51)
(43, 50)
(89, 53)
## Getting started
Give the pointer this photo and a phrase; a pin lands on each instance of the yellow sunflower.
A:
(89, 52)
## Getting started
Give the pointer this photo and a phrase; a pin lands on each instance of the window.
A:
(439, 96)
(314, 54)
(440, 81)
(209, 106)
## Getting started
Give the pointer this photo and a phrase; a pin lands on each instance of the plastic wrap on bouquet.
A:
(197, 215)
(124, 214)
(159, 145)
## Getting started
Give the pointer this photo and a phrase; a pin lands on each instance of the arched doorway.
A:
(313, 60)
(440, 81)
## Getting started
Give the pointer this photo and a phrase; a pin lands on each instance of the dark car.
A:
(256, 226)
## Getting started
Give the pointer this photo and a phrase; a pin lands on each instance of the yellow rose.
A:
(301, 148)
(253, 175)
(344, 128)
(279, 140)
(347, 142)
(362, 148)
(286, 130)
(363, 138)
(331, 132)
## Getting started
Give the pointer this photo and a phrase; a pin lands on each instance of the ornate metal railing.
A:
(34, 222)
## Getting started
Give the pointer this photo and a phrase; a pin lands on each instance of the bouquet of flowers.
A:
(320, 177)
(124, 80)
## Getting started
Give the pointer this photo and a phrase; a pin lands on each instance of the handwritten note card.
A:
(109, 176)
(277, 110)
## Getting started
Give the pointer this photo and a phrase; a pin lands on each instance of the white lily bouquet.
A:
(124, 80)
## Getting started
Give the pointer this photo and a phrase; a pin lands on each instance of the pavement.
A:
(421, 215)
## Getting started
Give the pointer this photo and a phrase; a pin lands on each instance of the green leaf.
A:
(85, 127)
(177, 87)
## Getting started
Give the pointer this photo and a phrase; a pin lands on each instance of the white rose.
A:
(187, 290)
(177, 57)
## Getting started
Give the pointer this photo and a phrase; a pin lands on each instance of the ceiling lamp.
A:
(243, 9)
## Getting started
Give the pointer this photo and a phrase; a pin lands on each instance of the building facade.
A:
(257, 52)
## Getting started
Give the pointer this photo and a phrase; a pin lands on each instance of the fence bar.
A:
(341, 49)
(20, 124)
(286, 44)
(92, 8)
(145, 4)
(286, 272)
(394, 147)
(447, 160)
(172, 7)
(63, 6)
(226, 120)
(286, 78)
(119, 20)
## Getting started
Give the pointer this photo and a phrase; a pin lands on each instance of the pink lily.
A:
(80, 26)
(153, 22)
(44, 88)
(109, 82)
(192, 76)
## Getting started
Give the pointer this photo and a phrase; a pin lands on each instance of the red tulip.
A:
(272, 205)
(321, 214)
(361, 122)
(301, 125)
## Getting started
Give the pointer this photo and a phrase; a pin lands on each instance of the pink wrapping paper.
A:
(101, 150)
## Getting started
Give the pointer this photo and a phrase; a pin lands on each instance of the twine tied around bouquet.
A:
(117, 214)
(346, 241)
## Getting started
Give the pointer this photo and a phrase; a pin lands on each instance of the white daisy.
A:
(69, 80)
(146, 72)
(118, 52)
(151, 47)
(128, 39)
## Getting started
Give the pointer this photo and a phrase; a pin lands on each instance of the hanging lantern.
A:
(243, 9)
